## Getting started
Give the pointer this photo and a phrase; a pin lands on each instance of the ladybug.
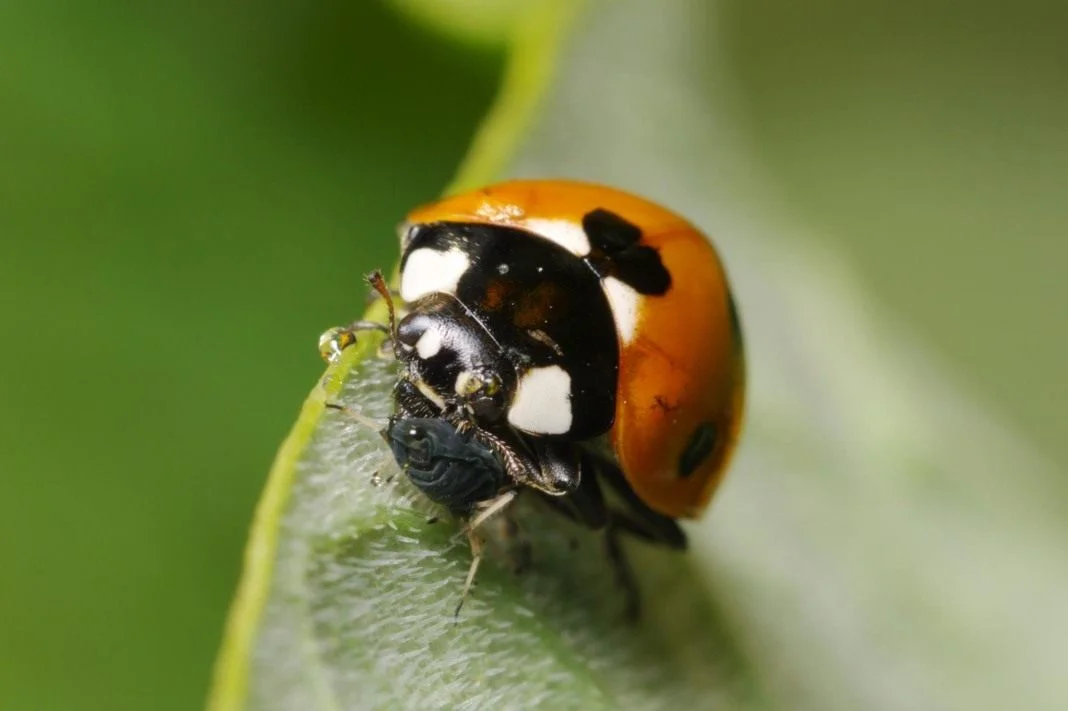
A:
(563, 337)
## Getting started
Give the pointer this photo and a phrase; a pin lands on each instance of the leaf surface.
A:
(880, 543)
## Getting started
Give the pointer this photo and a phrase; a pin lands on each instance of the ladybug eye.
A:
(469, 384)
(482, 392)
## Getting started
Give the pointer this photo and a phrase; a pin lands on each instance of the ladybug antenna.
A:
(378, 283)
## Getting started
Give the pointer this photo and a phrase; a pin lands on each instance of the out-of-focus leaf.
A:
(881, 542)
(487, 22)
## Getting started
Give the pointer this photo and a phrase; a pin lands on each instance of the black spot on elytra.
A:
(616, 251)
(702, 443)
(609, 232)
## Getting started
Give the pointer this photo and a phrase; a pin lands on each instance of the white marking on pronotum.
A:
(428, 271)
(429, 343)
(542, 403)
(625, 303)
(567, 234)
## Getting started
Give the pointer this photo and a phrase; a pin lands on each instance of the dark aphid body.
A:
(452, 468)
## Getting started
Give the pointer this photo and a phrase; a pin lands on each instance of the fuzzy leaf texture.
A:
(880, 542)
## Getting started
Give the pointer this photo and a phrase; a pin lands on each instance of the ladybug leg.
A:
(637, 518)
(552, 468)
(412, 403)
(489, 509)
(628, 515)
(624, 573)
(612, 525)
(560, 467)
(587, 506)
(597, 514)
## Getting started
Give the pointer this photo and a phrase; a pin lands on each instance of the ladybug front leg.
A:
(550, 467)
(412, 403)
(585, 504)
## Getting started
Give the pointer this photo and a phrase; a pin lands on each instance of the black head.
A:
(454, 358)
(452, 468)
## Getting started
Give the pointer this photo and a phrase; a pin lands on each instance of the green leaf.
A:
(487, 22)
(881, 542)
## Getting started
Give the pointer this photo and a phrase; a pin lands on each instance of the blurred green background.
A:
(188, 196)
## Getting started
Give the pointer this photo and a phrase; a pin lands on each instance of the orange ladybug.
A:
(559, 336)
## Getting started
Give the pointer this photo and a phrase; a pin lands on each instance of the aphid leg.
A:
(476, 558)
(375, 426)
(489, 509)
(370, 423)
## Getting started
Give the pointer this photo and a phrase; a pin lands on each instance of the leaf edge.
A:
(532, 55)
